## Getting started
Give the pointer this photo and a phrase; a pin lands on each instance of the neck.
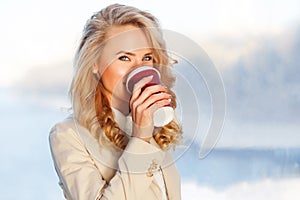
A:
(121, 105)
(117, 103)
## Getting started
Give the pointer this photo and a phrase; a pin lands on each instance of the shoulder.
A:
(70, 134)
(63, 126)
(67, 127)
(66, 131)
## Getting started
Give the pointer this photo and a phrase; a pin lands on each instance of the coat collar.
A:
(123, 121)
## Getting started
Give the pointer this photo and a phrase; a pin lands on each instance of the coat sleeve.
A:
(81, 178)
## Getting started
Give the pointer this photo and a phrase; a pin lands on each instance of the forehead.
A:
(125, 38)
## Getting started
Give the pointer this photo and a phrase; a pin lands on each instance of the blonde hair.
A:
(90, 105)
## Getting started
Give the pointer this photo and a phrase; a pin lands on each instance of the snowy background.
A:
(254, 45)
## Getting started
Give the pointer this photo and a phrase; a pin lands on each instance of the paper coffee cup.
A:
(137, 74)
(163, 115)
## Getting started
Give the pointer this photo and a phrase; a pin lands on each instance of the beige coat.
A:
(87, 172)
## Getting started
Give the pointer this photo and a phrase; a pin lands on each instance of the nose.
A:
(137, 63)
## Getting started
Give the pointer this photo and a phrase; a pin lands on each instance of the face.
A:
(126, 49)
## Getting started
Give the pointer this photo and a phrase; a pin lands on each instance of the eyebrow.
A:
(130, 53)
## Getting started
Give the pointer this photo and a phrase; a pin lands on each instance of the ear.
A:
(95, 69)
(96, 72)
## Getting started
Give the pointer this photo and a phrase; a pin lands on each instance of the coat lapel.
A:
(106, 159)
(171, 178)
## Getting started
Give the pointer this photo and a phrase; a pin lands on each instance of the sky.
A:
(253, 45)
(240, 38)
(34, 29)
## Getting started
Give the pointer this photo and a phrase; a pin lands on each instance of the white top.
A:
(125, 124)
(158, 178)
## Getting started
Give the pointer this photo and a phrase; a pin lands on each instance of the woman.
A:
(109, 148)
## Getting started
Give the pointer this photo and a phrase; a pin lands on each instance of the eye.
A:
(123, 58)
(147, 58)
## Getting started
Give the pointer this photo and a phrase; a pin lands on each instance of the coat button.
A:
(149, 174)
(152, 168)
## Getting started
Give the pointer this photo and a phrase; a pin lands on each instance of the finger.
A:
(156, 98)
(137, 89)
(153, 103)
(138, 101)
(158, 104)
(141, 83)
(145, 113)
(149, 91)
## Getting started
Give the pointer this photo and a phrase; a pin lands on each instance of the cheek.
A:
(113, 78)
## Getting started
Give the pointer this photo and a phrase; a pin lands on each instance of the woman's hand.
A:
(143, 104)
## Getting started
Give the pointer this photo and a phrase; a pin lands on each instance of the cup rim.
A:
(139, 69)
